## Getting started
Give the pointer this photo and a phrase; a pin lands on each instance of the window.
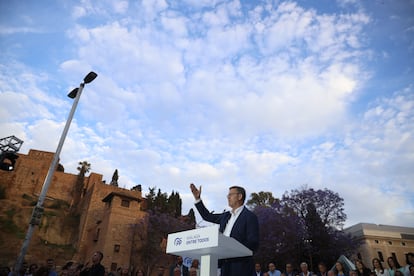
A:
(376, 241)
(117, 247)
(403, 243)
(97, 235)
(390, 242)
(393, 255)
(113, 266)
(380, 256)
(125, 203)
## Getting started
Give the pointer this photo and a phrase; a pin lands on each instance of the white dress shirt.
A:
(232, 220)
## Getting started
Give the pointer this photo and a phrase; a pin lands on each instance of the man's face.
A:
(195, 263)
(322, 268)
(233, 198)
(289, 268)
(96, 257)
(50, 263)
(179, 260)
(304, 267)
(258, 267)
(72, 270)
(272, 267)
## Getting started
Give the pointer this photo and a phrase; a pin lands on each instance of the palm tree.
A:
(84, 167)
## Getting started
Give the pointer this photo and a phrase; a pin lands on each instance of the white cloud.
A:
(219, 93)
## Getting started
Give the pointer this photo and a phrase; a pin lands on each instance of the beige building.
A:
(382, 241)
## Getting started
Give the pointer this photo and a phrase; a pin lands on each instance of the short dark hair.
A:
(240, 190)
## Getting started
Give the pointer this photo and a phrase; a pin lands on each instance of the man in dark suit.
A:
(178, 268)
(239, 223)
(257, 270)
(96, 269)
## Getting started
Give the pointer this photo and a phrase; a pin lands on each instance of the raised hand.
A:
(196, 192)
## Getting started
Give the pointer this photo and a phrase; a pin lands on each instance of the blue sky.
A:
(270, 95)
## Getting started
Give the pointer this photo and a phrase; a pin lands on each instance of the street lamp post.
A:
(38, 209)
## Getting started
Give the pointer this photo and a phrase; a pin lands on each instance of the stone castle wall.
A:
(24, 185)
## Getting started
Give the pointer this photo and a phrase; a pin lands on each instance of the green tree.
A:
(264, 199)
(77, 190)
(83, 168)
(115, 177)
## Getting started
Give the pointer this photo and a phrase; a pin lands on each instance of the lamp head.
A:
(73, 93)
(90, 77)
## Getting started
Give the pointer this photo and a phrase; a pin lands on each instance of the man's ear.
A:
(239, 196)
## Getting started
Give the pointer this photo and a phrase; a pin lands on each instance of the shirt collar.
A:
(237, 211)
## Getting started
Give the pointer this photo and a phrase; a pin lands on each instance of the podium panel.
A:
(206, 244)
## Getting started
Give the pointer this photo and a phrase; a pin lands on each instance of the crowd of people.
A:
(69, 269)
(178, 268)
(393, 268)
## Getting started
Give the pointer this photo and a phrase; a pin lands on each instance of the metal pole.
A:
(38, 209)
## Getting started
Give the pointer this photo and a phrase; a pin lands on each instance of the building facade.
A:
(382, 241)
(78, 220)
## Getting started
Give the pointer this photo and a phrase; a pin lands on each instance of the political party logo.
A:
(187, 261)
(178, 241)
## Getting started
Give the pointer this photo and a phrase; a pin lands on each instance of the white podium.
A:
(206, 244)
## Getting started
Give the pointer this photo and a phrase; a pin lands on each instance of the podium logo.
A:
(178, 241)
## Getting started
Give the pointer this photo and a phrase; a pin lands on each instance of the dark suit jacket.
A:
(245, 230)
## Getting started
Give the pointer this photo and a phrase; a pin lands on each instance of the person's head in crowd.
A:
(140, 272)
(398, 273)
(304, 267)
(377, 265)
(322, 267)
(272, 266)
(410, 258)
(124, 271)
(195, 263)
(289, 268)
(97, 257)
(33, 268)
(161, 270)
(339, 268)
(359, 265)
(393, 263)
(179, 260)
(411, 269)
(257, 267)
(50, 263)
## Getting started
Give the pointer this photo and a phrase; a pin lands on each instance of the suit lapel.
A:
(237, 222)
(224, 220)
